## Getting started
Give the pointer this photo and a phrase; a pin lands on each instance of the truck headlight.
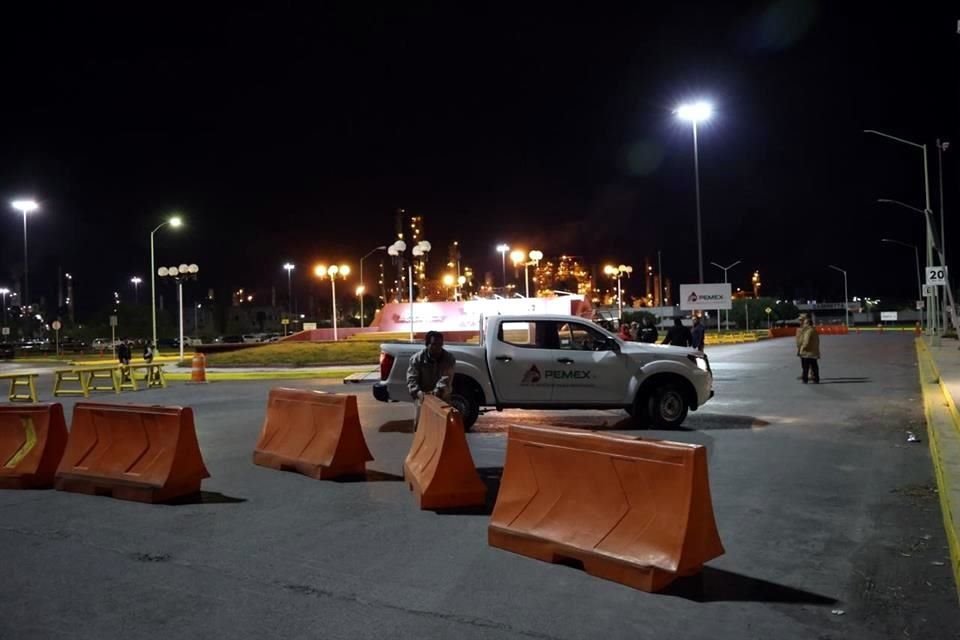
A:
(701, 362)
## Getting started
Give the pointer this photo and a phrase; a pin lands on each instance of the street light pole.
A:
(695, 113)
(916, 257)
(332, 271)
(289, 267)
(846, 297)
(3, 295)
(136, 289)
(931, 311)
(174, 222)
(25, 207)
(502, 248)
(932, 300)
(725, 269)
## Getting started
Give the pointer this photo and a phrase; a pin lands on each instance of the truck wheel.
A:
(467, 405)
(667, 406)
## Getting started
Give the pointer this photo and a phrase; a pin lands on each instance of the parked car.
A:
(561, 362)
(230, 340)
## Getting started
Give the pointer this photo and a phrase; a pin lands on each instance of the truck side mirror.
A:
(612, 345)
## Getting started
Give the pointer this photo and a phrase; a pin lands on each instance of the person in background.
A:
(698, 334)
(808, 350)
(678, 335)
(148, 352)
(430, 373)
(124, 355)
(648, 333)
(624, 332)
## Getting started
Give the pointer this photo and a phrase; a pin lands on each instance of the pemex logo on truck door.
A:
(532, 376)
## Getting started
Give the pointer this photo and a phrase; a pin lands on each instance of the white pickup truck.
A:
(561, 362)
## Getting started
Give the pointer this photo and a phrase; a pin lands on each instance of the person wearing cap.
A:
(808, 350)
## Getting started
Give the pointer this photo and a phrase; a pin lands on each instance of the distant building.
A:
(566, 273)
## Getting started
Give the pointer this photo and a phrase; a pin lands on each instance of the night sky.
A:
(287, 134)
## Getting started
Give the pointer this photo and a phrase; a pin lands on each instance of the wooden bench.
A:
(23, 386)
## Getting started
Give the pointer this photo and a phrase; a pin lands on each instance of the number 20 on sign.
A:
(936, 276)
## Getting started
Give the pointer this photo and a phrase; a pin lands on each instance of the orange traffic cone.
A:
(198, 372)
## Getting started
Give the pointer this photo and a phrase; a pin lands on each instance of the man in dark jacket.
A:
(648, 332)
(430, 372)
(698, 334)
(678, 335)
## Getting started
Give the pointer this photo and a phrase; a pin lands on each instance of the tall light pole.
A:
(179, 274)
(846, 298)
(3, 295)
(420, 250)
(289, 267)
(25, 206)
(725, 269)
(362, 288)
(617, 272)
(332, 272)
(535, 257)
(503, 248)
(173, 221)
(136, 289)
(916, 257)
(695, 113)
(941, 147)
(931, 312)
(932, 302)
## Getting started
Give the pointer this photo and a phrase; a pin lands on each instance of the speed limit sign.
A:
(936, 276)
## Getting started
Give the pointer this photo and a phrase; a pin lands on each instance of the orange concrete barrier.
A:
(314, 433)
(32, 440)
(439, 468)
(132, 452)
(633, 511)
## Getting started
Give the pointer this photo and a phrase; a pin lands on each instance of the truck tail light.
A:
(386, 363)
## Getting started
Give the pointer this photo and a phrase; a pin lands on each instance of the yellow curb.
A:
(267, 375)
(933, 404)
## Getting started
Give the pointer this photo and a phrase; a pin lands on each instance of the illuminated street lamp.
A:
(179, 274)
(173, 221)
(25, 207)
(725, 269)
(695, 113)
(3, 294)
(136, 289)
(289, 267)
(503, 248)
(528, 260)
(332, 272)
(420, 250)
(846, 299)
(617, 272)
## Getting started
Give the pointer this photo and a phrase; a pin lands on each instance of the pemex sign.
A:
(705, 296)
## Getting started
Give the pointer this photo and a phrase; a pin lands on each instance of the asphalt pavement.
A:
(829, 517)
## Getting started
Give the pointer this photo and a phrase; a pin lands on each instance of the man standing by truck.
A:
(430, 373)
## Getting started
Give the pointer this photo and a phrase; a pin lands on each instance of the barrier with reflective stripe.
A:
(32, 441)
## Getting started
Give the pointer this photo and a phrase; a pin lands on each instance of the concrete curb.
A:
(943, 434)
(264, 375)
